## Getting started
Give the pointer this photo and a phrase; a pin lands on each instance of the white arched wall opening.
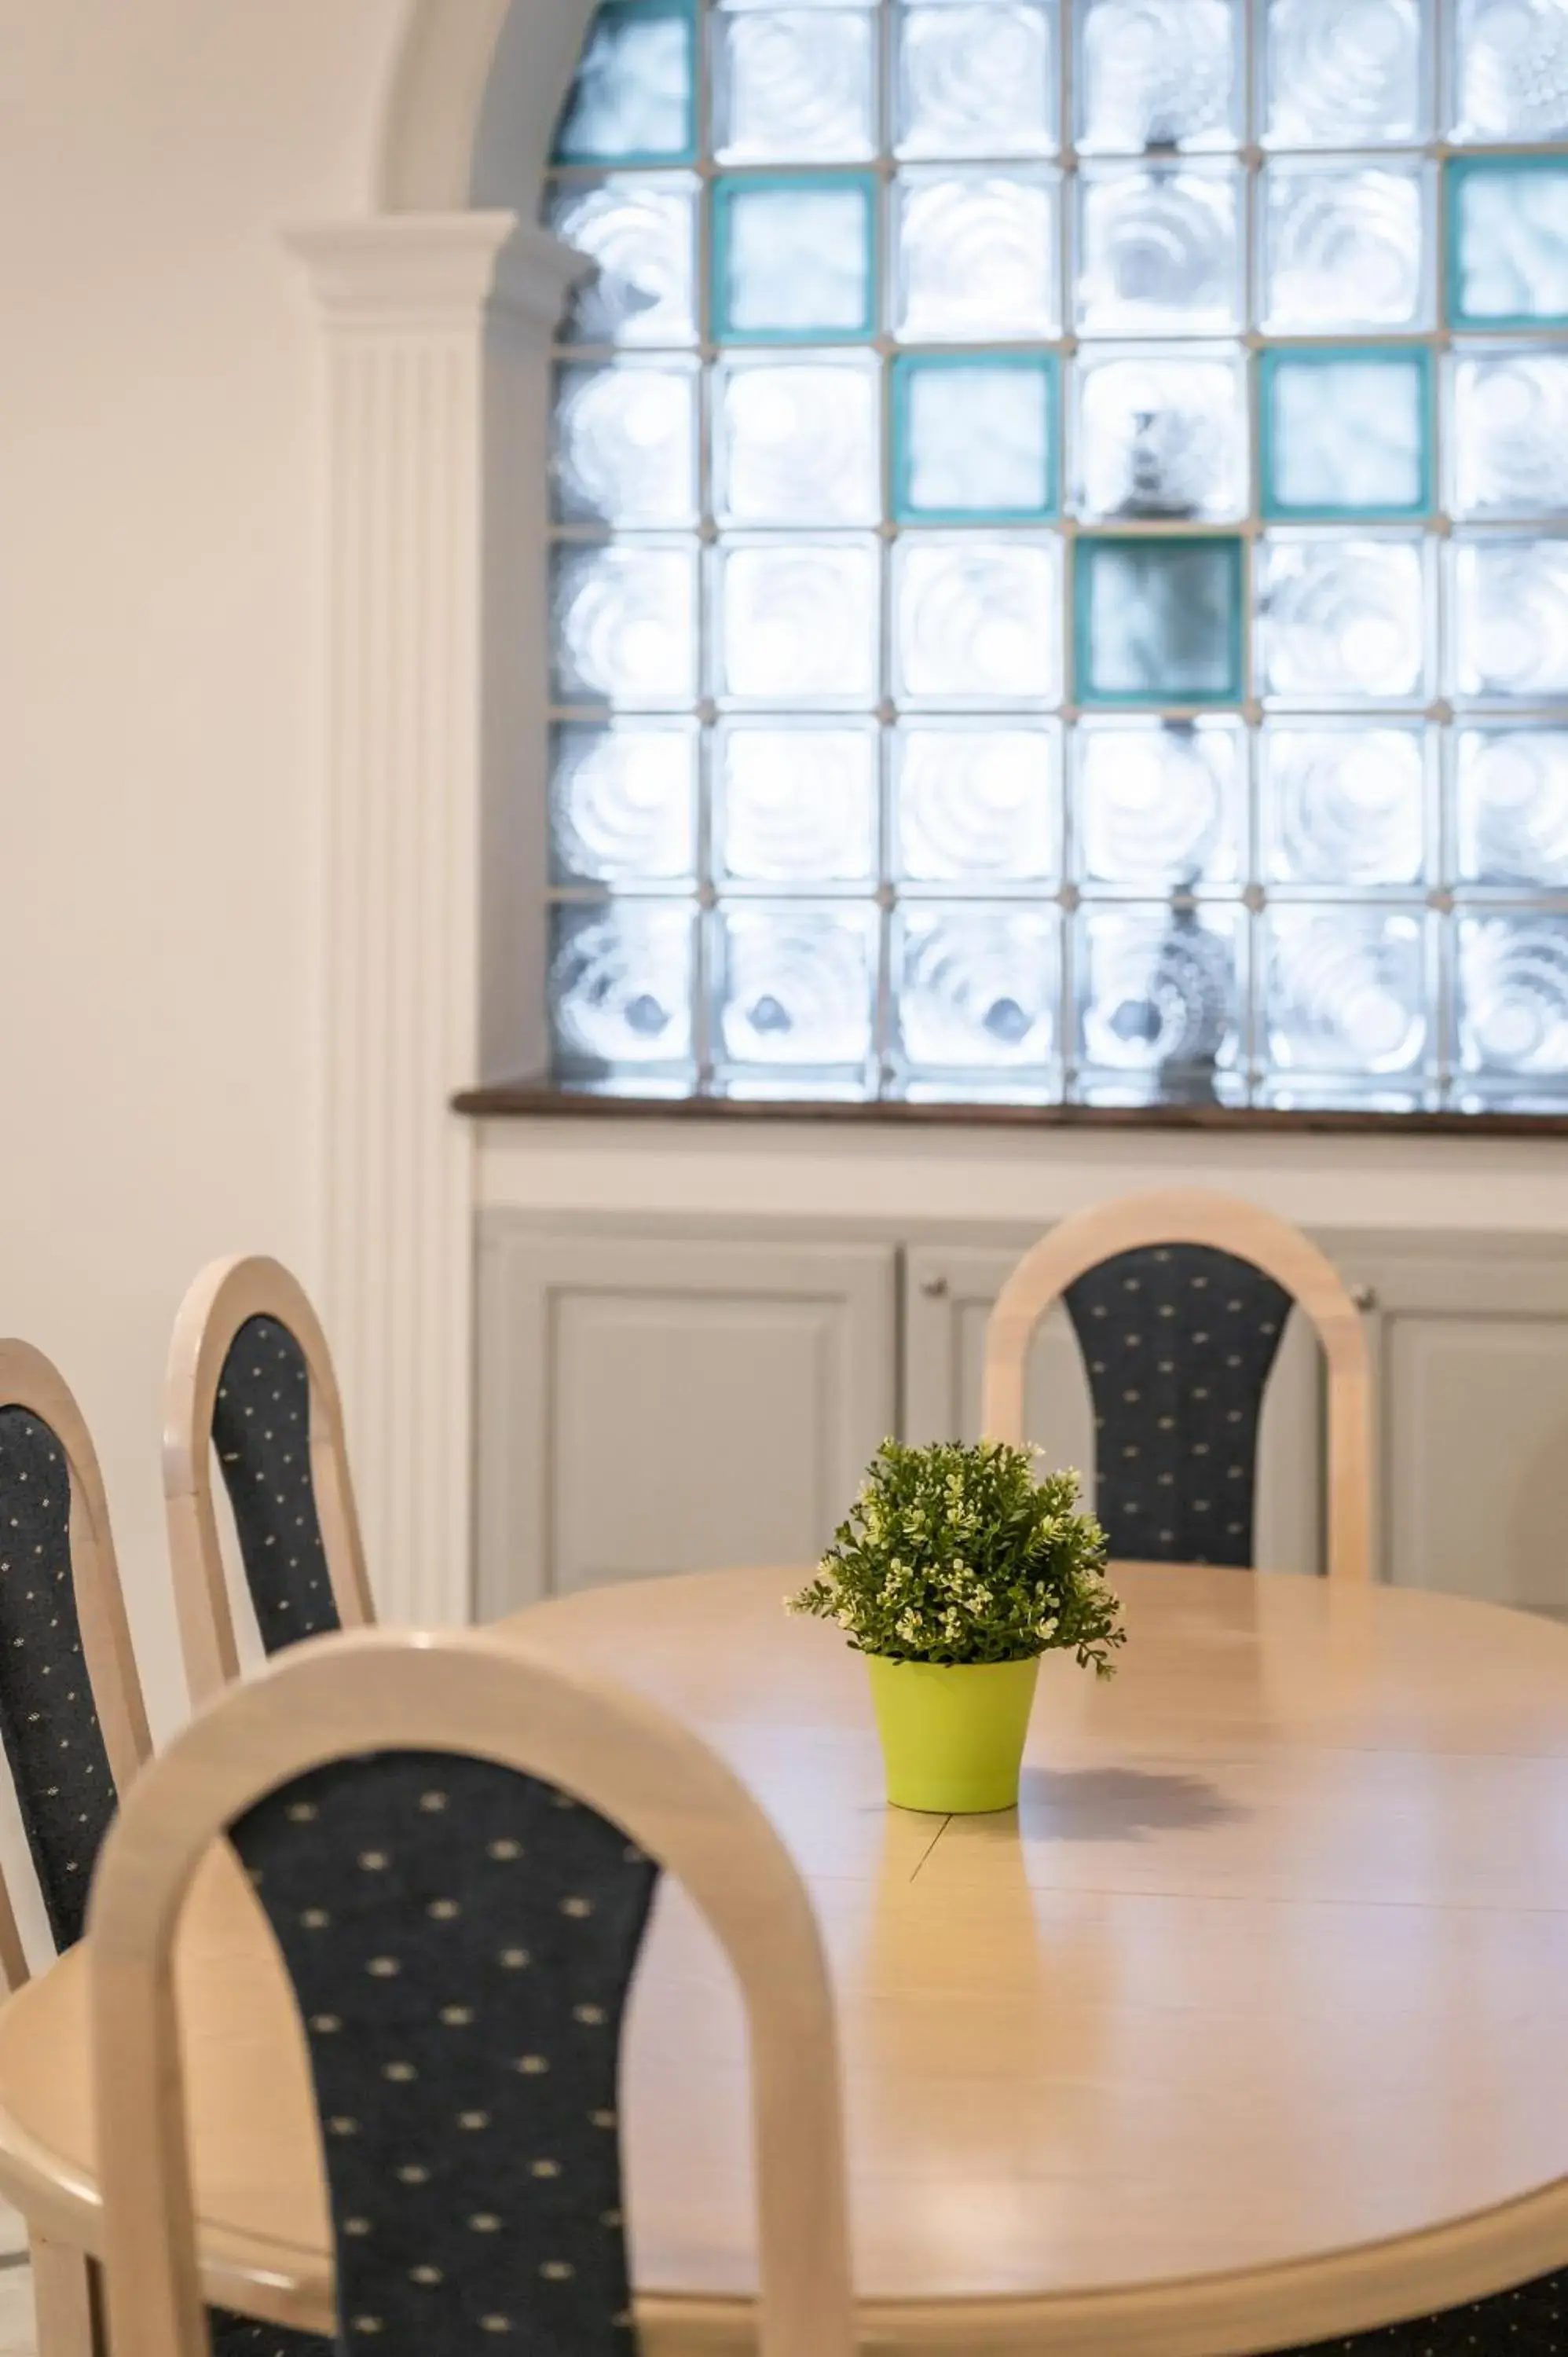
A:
(435, 313)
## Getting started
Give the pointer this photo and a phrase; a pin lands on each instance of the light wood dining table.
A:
(1250, 2026)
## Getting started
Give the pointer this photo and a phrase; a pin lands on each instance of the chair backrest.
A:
(1178, 1300)
(452, 1835)
(250, 1379)
(71, 1716)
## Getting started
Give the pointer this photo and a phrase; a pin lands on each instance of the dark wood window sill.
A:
(535, 1099)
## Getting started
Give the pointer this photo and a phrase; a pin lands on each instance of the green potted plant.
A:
(955, 1570)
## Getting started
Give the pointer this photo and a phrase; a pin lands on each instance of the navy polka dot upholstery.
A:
(260, 1429)
(460, 1939)
(1529, 2321)
(65, 1790)
(1178, 1340)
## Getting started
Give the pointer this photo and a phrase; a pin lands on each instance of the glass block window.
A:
(1060, 552)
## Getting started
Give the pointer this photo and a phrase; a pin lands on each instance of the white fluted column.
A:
(435, 330)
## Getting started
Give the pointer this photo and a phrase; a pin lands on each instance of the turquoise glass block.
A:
(794, 259)
(1508, 242)
(1158, 622)
(1346, 432)
(634, 100)
(974, 439)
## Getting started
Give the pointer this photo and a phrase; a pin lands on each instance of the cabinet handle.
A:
(934, 1288)
(1365, 1297)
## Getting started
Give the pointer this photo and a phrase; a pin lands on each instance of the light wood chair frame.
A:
(1228, 1224)
(226, 1294)
(62, 2282)
(459, 1691)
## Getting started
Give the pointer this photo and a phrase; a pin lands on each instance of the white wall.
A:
(156, 829)
(828, 1172)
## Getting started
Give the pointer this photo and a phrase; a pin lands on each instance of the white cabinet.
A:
(664, 1399)
(659, 1403)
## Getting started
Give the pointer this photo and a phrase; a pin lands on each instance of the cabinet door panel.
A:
(656, 1403)
(1476, 1419)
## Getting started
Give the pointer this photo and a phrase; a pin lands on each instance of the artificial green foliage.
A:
(954, 1553)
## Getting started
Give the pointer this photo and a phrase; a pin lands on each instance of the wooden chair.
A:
(66, 1665)
(250, 1378)
(485, 1828)
(75, 1728)
(1179, 1301)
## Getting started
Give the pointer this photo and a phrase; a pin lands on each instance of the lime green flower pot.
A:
(953, 1736)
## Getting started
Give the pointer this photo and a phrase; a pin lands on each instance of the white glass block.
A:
(1510, 618)
(623, 803)
(1339, 620)
(1157, 73)
(632, 95)
(1341, 803)
(976, 438)
(796, 440)
(1344, 246)
(642, 234)
(1343, 73)
(976, 255)
(1345, 991)
(625, 625)
(976, 620)
(1159, 250)
(1512, 996)
(1511, 806)
(977, 988)
(1159, 805)
(1510, 243)
(620, 986)
(796, 260)
(1510, 439)
(795, 85)
(797, 621)
(1159, 990)
(796, 985)
(976, 804)
(795, 804)
(1510, 70)
(976, 80)
(1345, 433)
(626, 442)
(1160, 435)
